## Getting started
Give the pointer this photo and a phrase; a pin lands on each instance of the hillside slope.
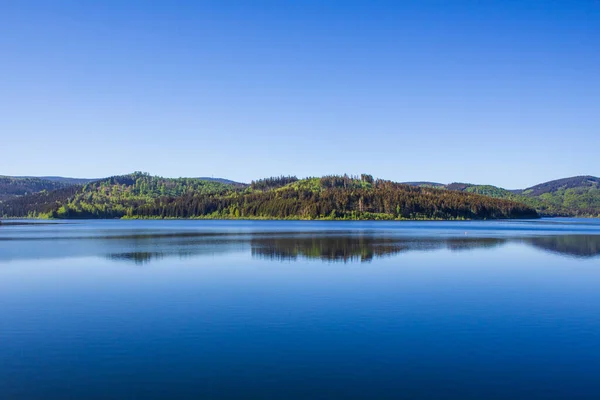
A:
(576, 196)
(576, 182)
(332, 197)
(16, 186)
(62, 179)
(222, 180)
(11, 187)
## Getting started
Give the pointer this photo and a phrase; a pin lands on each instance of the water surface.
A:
(300, 310)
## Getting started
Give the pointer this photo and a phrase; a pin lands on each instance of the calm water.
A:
(300, 310)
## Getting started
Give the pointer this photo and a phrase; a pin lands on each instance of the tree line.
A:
(329, 197)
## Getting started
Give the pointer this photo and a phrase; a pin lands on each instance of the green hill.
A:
(425, 184)
(222, 180)
(11, 187)
(576, 196)
(62, 179)
(140, 195)
(15, 187)
(576, 182)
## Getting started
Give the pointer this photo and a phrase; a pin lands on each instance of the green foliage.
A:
(575, 197)
(11, 187)
(140, 195)
(121, 196)
(309, 184)
(272, 183)
(488, 190)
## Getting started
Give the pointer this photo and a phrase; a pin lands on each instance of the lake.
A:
(300, 310)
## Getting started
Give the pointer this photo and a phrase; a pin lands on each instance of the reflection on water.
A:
(572, 245)
(144, 242)
(138, 257)
(265, 310)
(355, 248)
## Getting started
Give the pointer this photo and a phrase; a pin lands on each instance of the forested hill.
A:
(332, 197)
(576, 196)
(23, 196)
(16, 186)
(11, 187)
(225, 181)
(62, 179)
(574, 183)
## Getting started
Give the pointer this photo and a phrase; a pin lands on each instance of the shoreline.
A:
(7, 220)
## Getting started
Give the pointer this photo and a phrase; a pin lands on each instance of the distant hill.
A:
(15, 186)
(224, 181)
(11, 187)
(575, 196)
(111, 197)
(141, 195)
(424, 184)
(83, 181)
(486, 190)
(576, 182)
(68, 181)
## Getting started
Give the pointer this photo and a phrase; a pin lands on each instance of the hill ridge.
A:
(141, 195)
(571, 196)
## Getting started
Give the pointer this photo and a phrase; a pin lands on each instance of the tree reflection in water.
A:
(351, 248)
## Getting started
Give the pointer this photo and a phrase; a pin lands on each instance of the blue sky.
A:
(502, 92)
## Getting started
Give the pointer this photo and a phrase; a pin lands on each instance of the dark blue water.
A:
(300, 310)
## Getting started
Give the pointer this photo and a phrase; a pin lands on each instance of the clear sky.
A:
(503, 92)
